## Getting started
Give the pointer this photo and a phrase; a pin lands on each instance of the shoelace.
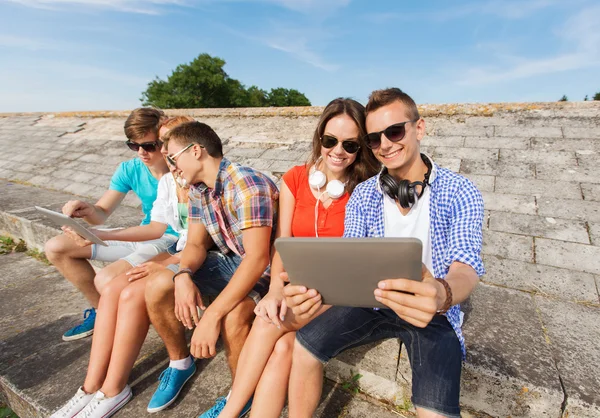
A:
(89, 409)
(165, 378)
(216, 410)
(70, 405)
(88, 316)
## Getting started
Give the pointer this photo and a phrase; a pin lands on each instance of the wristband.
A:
(183, 271)
(448, 301)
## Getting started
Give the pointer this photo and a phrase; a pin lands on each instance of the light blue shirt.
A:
(456, 217)
(134, 175)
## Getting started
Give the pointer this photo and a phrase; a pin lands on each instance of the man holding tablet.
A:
(411, 197)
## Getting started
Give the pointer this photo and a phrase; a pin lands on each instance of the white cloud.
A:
(580, 36)
(152, 7)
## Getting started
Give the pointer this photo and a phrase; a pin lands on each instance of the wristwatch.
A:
(448, 301)
(183, 271)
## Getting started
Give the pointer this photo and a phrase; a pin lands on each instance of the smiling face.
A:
(399, 156)
(188, 163)
(343, 128)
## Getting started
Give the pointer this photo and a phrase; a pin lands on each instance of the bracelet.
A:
(183, 271)
(448, 301)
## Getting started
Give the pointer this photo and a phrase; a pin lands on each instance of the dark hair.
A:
(365, 165)
(380, 98)
(199, 133)
(142, 121)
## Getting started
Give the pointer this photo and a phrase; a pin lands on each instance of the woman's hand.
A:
(144, 270)
(272, 308)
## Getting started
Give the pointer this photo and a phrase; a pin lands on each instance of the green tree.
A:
(286, 97)
(564, 98)
(204, 83)
(597, 96)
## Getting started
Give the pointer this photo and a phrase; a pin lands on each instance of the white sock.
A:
(182, 364)
(228, 395)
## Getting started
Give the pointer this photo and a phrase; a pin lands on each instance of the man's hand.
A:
(204, 338)
(79, 240)
(421, 302)
(78, 209)
(187, 300)
(302, 301)
(272, 307)
(144, 270)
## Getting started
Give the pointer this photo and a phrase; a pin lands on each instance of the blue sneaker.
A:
(85, 329)
(171, 383)
(220, 404)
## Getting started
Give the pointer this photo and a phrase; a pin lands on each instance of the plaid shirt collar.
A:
(221, 175)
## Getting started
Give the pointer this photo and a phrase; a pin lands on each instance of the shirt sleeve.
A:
(121, 180)
(355, 225)
(292, 178)
(160, 207)
(256, 202)
(466, 229)
(195, 214)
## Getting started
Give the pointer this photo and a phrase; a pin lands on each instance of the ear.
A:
(420, 129)
(197, 150)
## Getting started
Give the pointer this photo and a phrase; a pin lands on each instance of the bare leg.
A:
(426, 413)
(270, 395)
(306, 383)
(104, 332)
(130, 333)
(72, 262)
(160, 301)
(235, 329)
(104, 276)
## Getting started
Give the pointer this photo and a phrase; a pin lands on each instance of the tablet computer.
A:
(63, 220)
(346, 271)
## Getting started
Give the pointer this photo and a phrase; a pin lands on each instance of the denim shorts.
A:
(135, 253)
(434, 351)
(216, 272)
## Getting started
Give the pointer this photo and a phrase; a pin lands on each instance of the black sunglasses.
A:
(351, 147)
(393, 132)
(146, 146)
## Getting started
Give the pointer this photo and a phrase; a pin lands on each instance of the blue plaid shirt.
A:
(456, 216)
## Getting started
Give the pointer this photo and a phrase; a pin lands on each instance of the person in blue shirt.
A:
(410, 197)
(129, 247)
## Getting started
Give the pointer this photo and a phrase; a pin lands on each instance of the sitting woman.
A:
(311, 204)
(122, 321)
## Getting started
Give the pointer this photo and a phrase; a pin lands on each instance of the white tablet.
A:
(346, 271)
(63, 220)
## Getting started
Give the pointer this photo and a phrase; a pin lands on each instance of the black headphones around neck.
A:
(404, 192)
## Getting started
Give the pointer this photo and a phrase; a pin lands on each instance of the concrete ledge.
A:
(426, 110)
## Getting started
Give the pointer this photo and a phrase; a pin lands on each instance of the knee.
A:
(131, 295)
(55, 247)
(159, 288)
(110, 290)
(102, 279)
(283, 348)
(302, 356)
(240, 317)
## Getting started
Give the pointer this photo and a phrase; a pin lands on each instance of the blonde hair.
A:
(174, 121)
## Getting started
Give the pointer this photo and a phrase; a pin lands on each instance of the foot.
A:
(102, 407)
(85, 329)
(220, 404)
(171, 383)
(74, 406)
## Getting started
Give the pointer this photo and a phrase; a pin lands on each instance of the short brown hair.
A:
(143, 121)
(174, 121)
(198, 133)
(380, 98)
(365, 165)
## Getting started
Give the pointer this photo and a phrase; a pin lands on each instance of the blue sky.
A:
(60, 55)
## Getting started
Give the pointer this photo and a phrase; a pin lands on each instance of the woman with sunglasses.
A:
(122, 321)
(311, 204)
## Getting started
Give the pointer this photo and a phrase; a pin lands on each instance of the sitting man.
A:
(411, 197)
(129, 247)
(233, 208)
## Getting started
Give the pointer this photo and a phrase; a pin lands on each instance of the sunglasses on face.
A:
(393, 132)
(146, 146)
(171, 159)
(351, 147)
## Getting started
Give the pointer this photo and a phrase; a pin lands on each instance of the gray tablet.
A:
(63, 220)
(346, 271)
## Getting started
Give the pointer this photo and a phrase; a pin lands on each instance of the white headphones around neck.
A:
(317, 179)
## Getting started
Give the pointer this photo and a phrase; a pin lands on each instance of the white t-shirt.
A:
(415, 224)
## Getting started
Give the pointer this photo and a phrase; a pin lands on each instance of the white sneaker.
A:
(102, 407)
(75, 405)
